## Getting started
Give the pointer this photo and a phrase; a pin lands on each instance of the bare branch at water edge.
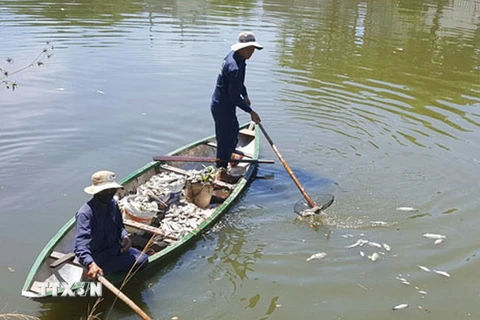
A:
(5, 74)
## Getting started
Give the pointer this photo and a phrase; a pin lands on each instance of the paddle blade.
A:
(323, 201)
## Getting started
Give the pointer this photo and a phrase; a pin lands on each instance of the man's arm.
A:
(125, 241)
(83, 237)
(236, 90)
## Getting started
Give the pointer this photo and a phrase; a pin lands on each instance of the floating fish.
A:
(387, 247)
(378, 223)
(422, 292)
(360, 242)
(424, 268)
(400, 306)
(374, 244)
(434, 236)
(405, 282)
(443, 273)
(317, 256)
(407, 209)
(438, 241)
(374, 257)
(362, 253)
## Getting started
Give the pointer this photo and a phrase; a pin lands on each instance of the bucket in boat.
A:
(134, 213)
(145, 217)
(198, 193)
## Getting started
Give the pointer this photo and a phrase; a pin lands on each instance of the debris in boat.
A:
(400, 306)
(407, 209)
(434, 236)
(158, 202)
(424, 268)
(317, 256)
(443, 273)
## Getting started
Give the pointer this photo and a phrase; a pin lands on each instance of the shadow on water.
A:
(279, 181)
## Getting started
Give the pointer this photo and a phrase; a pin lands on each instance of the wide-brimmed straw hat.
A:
(102, 180)
(246, 39)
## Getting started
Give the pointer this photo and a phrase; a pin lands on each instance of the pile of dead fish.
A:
(161, 196)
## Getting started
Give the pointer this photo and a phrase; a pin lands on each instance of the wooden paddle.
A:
(123, 297)
(309, 200)
(205, 159)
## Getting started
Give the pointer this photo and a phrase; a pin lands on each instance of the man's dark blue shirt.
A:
(99, 229)
(230, 90)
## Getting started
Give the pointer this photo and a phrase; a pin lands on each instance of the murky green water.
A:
(375, 101)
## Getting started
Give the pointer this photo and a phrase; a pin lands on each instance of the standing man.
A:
(101, 241)
(230, 92)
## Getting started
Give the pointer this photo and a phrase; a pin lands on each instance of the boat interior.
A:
(61, 265)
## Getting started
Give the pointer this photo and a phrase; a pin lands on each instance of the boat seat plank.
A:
(247, 132)
(61, 258)
(146, 227)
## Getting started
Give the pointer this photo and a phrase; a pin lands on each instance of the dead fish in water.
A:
(424, 268)
(387, 247)
(400, 306)
(374, 257)
(362, 253)
(360, 242)
(434, 236)
(407, 209)
(422, 292)
(317, 256)
(438, 241)
(378, 223)
(443, 273)
(374, 244)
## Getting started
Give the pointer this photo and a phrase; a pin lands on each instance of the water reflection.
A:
(232, 257)
(356, 70)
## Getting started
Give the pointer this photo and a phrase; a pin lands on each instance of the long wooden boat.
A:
(57, 262)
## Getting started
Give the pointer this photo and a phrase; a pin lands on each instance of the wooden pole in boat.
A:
(311, 203)
(205, 159)
(123, 297)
